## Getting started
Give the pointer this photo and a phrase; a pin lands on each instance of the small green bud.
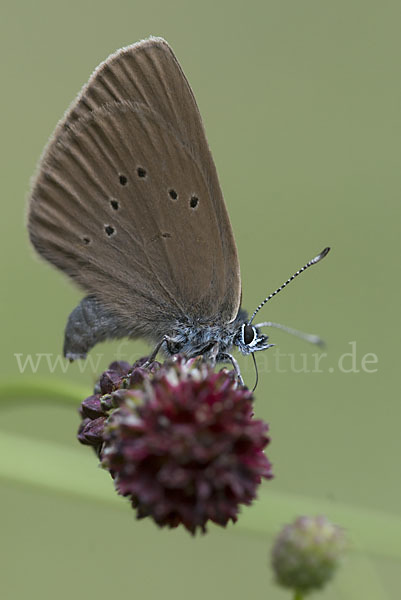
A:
(306, 553)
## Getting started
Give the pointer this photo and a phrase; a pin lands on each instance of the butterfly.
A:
(126, 201)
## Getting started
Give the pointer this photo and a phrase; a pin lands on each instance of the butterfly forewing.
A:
(127, 199)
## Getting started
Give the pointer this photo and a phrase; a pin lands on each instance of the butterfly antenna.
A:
(315, 260)
(256, 370)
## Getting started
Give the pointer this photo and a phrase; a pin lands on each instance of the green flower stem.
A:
(71, 471)
(39, 390)
(298, 596)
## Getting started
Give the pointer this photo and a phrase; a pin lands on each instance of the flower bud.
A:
(306, 553)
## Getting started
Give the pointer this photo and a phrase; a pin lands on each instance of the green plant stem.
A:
(298, 595)
(72, 471)
(39, 390)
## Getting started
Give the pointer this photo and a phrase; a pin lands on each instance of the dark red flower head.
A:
(179, 440)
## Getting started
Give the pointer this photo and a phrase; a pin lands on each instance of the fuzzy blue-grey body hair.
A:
(90, 323)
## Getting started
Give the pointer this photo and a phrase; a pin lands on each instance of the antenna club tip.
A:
(315, 339)
(320, 256)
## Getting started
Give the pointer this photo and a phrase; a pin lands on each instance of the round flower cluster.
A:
(179, 440)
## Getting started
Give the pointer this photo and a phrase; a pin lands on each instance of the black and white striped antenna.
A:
(315, 260)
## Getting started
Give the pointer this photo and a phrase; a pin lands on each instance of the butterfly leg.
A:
(165, 340)
(208, 352)
(88, 324)
(213, 352)
(234, 364)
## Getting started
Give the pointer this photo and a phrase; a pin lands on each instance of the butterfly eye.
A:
(249, 334)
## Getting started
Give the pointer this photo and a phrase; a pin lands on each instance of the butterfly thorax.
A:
(193, 339)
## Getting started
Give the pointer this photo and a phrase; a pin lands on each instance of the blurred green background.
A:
(301, 104)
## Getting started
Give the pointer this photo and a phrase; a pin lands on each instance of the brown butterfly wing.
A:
(133, 224)
(119, 232)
